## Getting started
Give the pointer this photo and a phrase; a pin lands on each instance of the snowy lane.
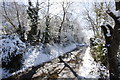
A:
(89, 68)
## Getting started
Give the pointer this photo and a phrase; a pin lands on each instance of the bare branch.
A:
(63, 19)
(110, 28)
(112, 15)
(17, 15)
(6, 16)
(75, 74)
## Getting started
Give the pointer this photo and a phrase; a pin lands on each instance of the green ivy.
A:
(97, 51)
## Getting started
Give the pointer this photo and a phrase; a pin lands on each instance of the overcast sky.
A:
(60, 0)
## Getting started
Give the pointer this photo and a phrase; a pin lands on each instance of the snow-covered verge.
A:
(90, 68)
(10, 46)
(32, 55)
(39, 54)
(88, 65)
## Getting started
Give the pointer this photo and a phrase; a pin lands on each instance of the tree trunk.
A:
(112, 44)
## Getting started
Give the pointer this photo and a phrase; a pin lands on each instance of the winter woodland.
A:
(60, 39)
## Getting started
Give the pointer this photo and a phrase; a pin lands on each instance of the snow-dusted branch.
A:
(111, 14)
(110, 28)
(6, 16)
(17, 14)
(61, 60)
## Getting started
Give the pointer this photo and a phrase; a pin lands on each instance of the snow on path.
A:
(89, 68)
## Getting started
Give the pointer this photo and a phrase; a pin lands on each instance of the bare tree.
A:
(46, 34)
(98, 16)
(65, 7)
(20, 29)
(12, 15)
(6, 16)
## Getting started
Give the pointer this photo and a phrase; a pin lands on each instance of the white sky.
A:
(60, 0)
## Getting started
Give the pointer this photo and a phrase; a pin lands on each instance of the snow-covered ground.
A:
(89, 68)
(38, 55)
(33, 55)
(9, 46)
(92, 69)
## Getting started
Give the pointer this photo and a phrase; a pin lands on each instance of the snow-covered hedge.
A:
(11, 51)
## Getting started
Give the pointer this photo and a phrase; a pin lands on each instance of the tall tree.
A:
(65, 7)
(112, 44)
(46, 34)
(33, 16)
(14, 18)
